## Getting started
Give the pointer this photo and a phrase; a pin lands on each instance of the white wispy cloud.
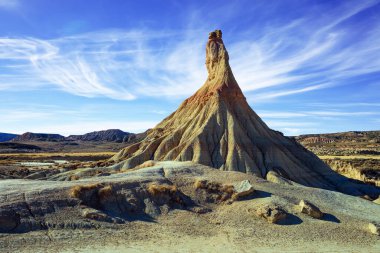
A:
(269, 95)
(9, 4)
(116, 64)
(22, 116)
(335, 113)
(287, 60)
(160, 112)
(345, 105)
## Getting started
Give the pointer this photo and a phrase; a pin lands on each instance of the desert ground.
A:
(205, 224)
(353, 154)
(209, 225)
(198, 222)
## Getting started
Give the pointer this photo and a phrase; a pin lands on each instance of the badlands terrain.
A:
(164, 208)
(354, 154)
(211, 177)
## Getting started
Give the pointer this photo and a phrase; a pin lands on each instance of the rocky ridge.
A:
(112, 135)
(28, 136)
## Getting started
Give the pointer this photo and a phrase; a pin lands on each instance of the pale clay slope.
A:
(227, 228)
(216, 127)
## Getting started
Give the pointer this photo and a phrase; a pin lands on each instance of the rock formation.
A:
(310, 209)
(272, 213)
(38, 137)
(216, 127)
(111, 135)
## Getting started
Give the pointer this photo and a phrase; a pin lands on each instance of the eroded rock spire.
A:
(217, 127)
(215, 52)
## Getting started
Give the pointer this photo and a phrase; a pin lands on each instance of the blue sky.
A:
(75, 66)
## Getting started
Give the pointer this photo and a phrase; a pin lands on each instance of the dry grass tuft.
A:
(155, 189)
(222, 191)
(74, 177)
(78, 190)
(200, 184)
(105, 192)
(146, 164)
(227, 188)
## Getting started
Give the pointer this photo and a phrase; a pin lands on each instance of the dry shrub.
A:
(155, 189)
(223, 192)
(100, 163)
(146, 164)
(213, 186)
(227, 188)
(74, 177)
(209, 186)
(68, 166)
(200, 184)
(78, 190)
(105, 192)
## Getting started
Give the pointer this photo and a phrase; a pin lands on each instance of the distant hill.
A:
(345, 143)
(110, 135)
(10, 147)
(7, 137)
(351, 135)
(38, 137)
(353, 154)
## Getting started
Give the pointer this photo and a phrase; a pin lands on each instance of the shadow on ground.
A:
(330, 217)
(291, 219)
(255, 195)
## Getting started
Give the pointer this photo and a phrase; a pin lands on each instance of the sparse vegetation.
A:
(91, 194)
(105, 192)
(164, 191)
(223, 192)
(157, 189)
(353, 154)
(349, 145)
(74, 177)
(366, 170)
(78, 190)
(146, 164)
(200, 184)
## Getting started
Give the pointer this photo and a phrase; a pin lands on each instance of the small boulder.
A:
(366, 197)
(94, 214)
(274, 177)
(374, 228)
(151, 208)
(310, 209)
(242, 189)
(272, 213)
